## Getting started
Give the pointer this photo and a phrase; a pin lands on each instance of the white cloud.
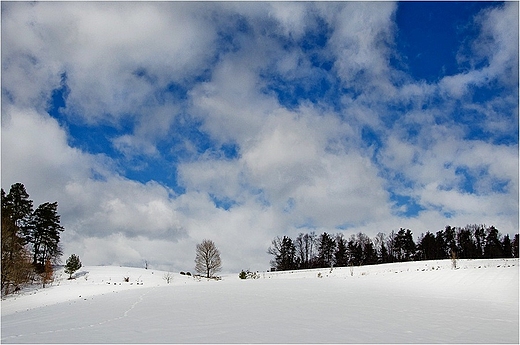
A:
(117, 58)
(35, 152)
(130, 144)
(361, 42)
(296, 170)
(231, 104)
(496, 42)
(291, 16)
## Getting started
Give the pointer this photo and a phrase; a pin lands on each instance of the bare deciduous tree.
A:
(207, 259)
(168, 277)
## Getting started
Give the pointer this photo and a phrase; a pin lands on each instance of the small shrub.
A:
(126, 279)
(168, 277)
(248, 275)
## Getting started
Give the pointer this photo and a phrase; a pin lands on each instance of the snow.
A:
(415, 302)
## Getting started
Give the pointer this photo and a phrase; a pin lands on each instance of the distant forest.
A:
(320, 251)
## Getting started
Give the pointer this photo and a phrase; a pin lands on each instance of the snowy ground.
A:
(417, 302)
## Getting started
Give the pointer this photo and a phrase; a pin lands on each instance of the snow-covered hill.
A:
(425, 302)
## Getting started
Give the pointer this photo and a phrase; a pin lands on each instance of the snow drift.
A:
(414, 302)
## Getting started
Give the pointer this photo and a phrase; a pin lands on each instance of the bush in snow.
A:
(248, 275)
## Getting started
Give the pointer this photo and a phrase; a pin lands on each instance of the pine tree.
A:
(467, 249)
(19, 208)
(355, 252)
(507, 247)
(284, 252)
(451, 243)
(16, 268)
(18, 203)
(72, 265)
(427, 247)
(341, 255)
(45, 234)
(493, 246)
(326, 249)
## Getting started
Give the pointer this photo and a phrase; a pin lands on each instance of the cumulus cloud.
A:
(272, 118)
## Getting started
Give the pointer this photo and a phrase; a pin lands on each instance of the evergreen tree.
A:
(507, 247)
(18, 203)
(288, 255)
(45, 234)
(493, 246)
(16, 268)
(404, 245)
(19, 207)
(450, 241)
(384, 257)
(409, 246)
(427, 247)
(326, 250)
(440, 245)
(355, 252)
(72, 264)
(341, 254)
(284, 253)
(466, 247)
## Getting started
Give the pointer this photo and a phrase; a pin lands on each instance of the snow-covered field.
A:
(416, 302)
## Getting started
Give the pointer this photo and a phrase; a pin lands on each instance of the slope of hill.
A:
(426, 301)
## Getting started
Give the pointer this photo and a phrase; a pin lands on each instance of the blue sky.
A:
(156, 125)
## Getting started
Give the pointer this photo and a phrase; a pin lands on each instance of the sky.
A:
(155, 125)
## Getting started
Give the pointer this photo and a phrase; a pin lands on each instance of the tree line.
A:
(30, 239)
(310, 250)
